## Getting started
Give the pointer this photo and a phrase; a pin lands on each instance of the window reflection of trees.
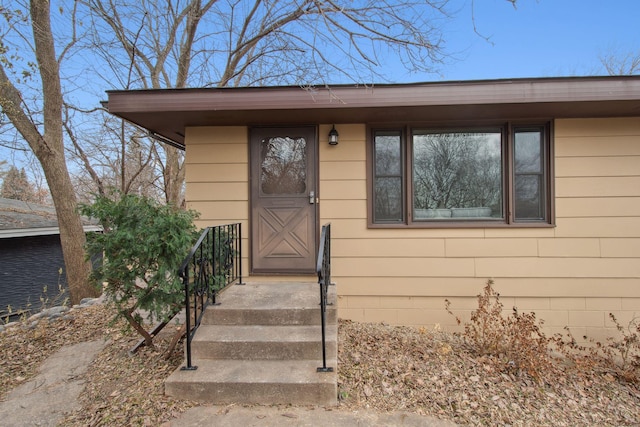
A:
(528, 175)
(388, 199)
(284, 165)
(388, 183)
(457, 170)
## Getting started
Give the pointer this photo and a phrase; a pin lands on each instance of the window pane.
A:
(388, 177)
(529, 203)
(283, 168)
(387, 148)
(528, 152)
(388, 199)
(457, 175)
(530, 194)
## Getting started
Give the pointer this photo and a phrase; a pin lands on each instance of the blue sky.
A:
(540, 38)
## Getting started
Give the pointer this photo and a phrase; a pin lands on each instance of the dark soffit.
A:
(168, 112)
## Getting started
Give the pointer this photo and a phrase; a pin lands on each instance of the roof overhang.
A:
(166, 113)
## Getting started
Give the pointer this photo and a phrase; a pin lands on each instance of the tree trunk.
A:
(72, 237)
(173, 176)
(48, 147)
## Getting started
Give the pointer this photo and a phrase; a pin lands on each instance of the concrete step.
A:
(226, 315)
(271, 304)
(253, 342)
(262, 344)
(256, 382)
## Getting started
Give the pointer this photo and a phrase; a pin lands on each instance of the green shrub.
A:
(143, 244)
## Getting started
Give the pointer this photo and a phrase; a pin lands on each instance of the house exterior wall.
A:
(573, 274)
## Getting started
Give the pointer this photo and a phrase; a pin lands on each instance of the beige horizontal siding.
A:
(388, 248)
(343, 190)
(572, 274)
(619, 186)
(558, 267)
(206, 135)
(217, 178)
(341, 209)
(237, 210)
(343, 170)
(624, 247)
(587, 146)
(205, 191)
(623, 226)
(224, 153)
(217, 172)
(482, 248)
(569, 247)
(610, 128)
(440, 288)
(597, 207)
(597, 166)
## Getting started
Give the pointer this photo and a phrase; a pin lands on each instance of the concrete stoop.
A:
(262, 345)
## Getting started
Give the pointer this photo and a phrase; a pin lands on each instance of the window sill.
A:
(459, 224)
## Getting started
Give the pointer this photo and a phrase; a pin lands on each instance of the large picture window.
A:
(494, 176)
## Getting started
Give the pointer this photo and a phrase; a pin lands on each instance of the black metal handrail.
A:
(323, 268)
(214, 263)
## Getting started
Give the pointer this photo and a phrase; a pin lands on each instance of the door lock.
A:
(312, 197)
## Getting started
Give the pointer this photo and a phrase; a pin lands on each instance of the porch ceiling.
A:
(168, 112)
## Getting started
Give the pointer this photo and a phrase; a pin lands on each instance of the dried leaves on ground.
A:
(434, 373)
(120, 388)
(25, 346)
(380, 368)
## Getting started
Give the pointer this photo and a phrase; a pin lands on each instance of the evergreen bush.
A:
(143, 244)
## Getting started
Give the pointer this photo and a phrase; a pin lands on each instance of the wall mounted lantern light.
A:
(333, 136)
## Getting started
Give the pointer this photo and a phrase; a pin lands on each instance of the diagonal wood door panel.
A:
(283, 232)
(283, 213)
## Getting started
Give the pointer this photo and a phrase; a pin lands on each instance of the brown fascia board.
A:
(167, 112)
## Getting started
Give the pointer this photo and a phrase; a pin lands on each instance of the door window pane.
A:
(529, 175)
(457, 175)
(283, 165)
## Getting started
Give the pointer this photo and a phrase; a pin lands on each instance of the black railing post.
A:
(187, 304)
(323, 268)
(238, 237)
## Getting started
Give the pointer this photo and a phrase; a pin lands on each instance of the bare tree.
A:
(43, 131)
(177, 44)
(110, 154)
(620, 64)
(156, 40)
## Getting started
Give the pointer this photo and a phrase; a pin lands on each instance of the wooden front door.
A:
(283, 200)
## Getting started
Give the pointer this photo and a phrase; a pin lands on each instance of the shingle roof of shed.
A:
(20, 219)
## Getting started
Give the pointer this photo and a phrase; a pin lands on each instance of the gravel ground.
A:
(381, 368)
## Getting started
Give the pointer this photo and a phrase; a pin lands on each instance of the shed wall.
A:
(32, 273)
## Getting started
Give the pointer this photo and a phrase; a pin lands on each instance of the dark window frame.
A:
(508, 129)
(402, 173)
